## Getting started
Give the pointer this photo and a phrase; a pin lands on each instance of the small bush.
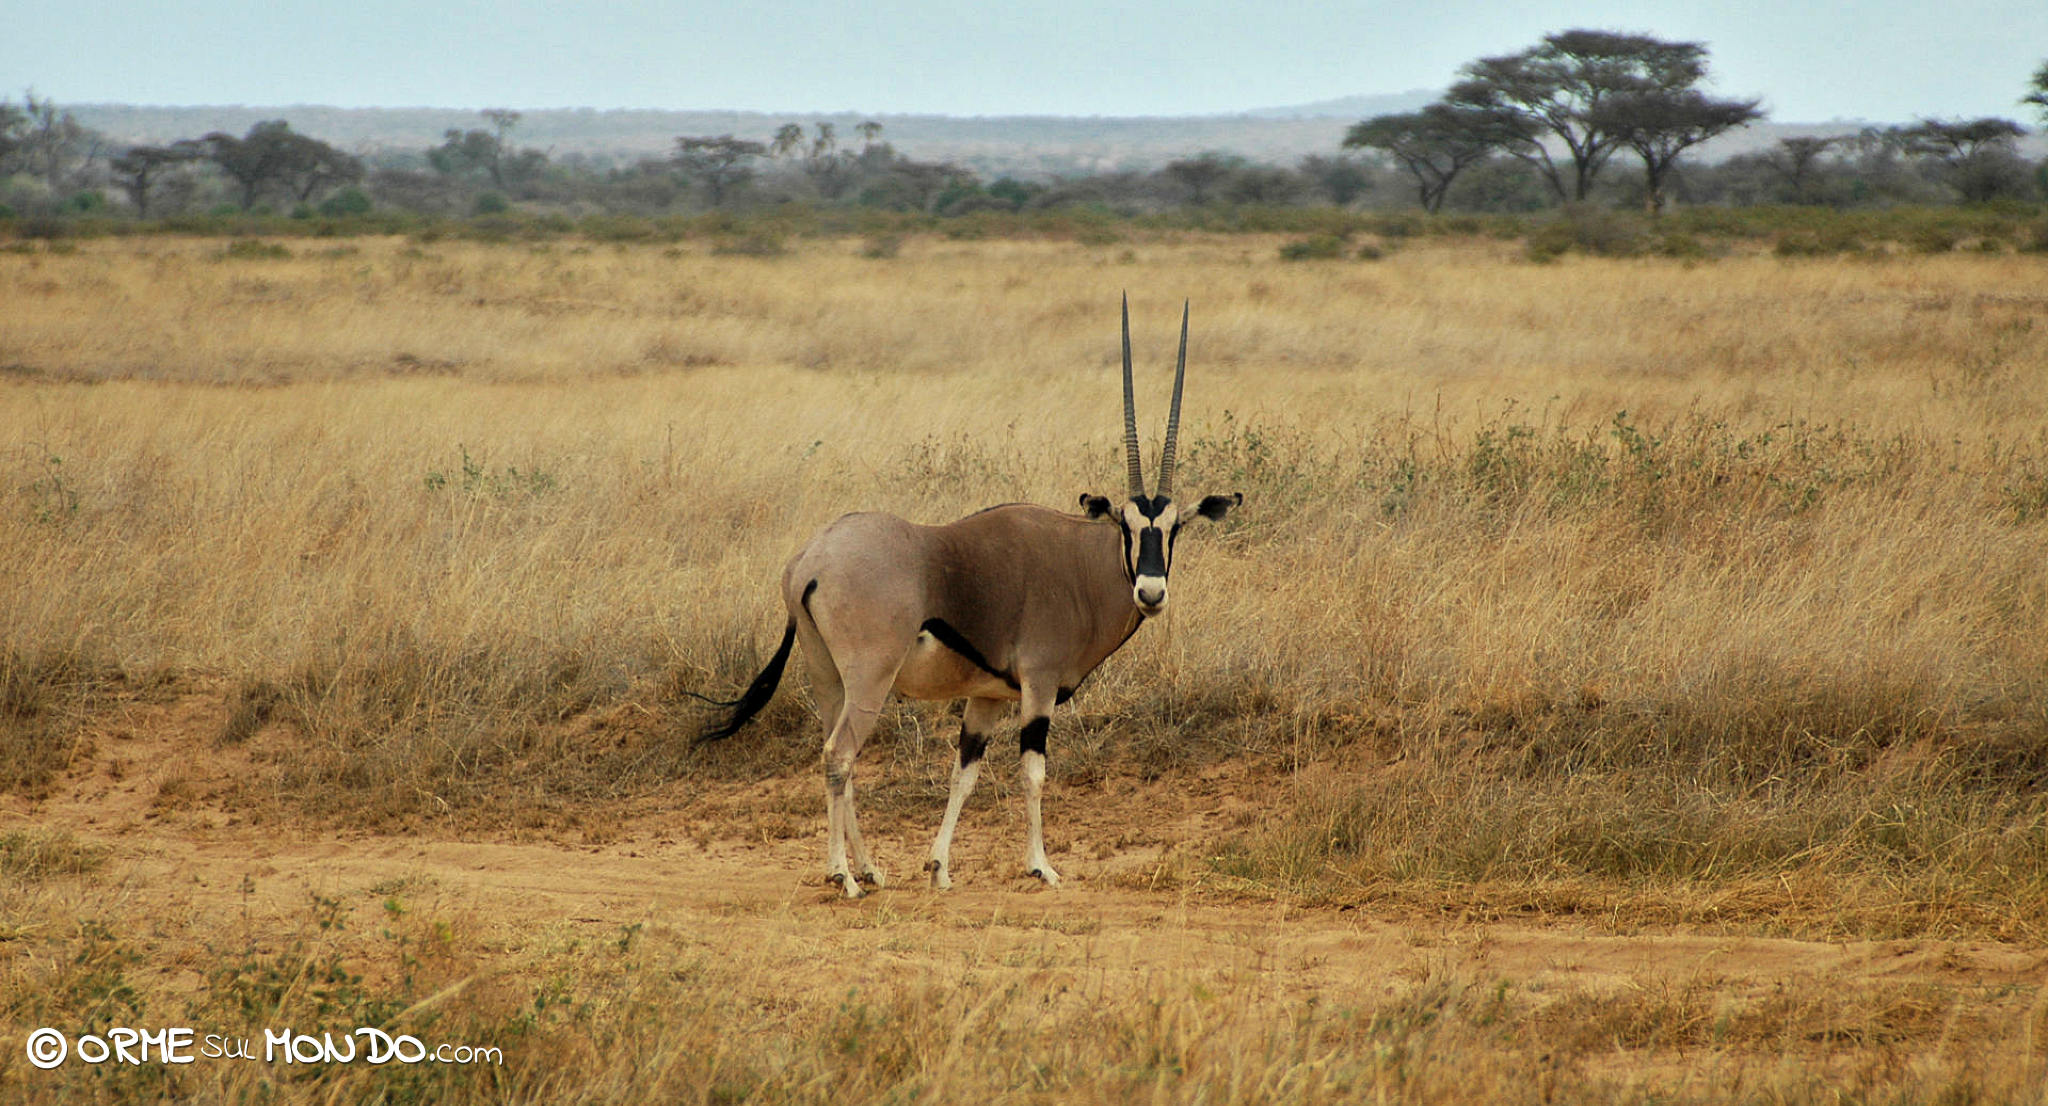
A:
(347, 202)
(1815, 243)
(1934, 239)
(1320, 247)
(491, 203)
(616, 228)
(1547, 245)
(1682, 246)
(880, 247)
(757, 244)
(255, 249)
(1588, 231)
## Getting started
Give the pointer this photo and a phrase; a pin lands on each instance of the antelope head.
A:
(1151, 523)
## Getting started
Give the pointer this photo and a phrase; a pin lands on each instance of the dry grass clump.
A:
(30, 855)
(1637, 573)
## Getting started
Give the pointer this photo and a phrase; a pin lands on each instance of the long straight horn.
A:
(1137, 471)
(1173, 415)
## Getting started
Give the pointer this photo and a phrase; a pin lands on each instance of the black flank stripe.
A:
(946, 635)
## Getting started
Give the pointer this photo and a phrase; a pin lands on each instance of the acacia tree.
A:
(2037, 92)
(1340, 179)
(1797, 161)
(1659, 125)
(1434, 144)
(1203, 174)
(1557, 91)
(51, 143)
(139, 169)
(789, 141)
(720, 164)
(13, 131)
(256, 161)
(1978, 156)
(830, 168)
(487, 152)
(273, 156)
(312, 166)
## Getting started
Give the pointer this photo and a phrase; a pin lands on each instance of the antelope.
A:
(1016, 603)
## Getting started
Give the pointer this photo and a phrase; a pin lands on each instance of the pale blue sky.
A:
(1883, 60)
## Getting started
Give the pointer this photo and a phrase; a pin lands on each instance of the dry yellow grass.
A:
(1634, 590)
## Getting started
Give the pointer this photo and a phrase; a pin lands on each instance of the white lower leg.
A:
(941, 865)
(838, 813)
(863, 867)
(1035, 862)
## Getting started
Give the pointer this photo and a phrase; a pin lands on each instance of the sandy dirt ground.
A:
(688, 872)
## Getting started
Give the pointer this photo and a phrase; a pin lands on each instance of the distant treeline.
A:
(1518, 133)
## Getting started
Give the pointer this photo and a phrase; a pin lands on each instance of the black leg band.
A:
(972, 745)
(1031, 739)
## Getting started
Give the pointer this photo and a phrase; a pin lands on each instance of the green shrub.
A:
(1806, 243)
(255, 249)
(1683, 246)
(1589, 231)
(1319, 247)
(349, 201)
(1934, 238)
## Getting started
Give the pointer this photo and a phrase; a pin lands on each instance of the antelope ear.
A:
(1095, 506)
(1214, 507)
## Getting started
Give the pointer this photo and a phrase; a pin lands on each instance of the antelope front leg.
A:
(1037, 711)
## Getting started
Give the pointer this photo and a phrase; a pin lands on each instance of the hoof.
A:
(874, 878)
(1045, 872)
(942, 880)
(847, 884)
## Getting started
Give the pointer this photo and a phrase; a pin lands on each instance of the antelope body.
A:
(1015, 603)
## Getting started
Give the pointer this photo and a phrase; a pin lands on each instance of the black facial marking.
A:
(1031, 739)
(1151, 554)
(972, 745)
(947, 636)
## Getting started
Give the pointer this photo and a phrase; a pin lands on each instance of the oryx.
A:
(1015, 603)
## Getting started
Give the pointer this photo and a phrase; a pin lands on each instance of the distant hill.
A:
(1353, 108)
(990, 145)
(993, 146)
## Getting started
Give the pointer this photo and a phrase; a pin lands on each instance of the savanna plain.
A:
(1625, 680)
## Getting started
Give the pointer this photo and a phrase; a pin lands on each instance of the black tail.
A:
(757, 694)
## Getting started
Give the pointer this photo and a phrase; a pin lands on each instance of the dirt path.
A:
(176, 855)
